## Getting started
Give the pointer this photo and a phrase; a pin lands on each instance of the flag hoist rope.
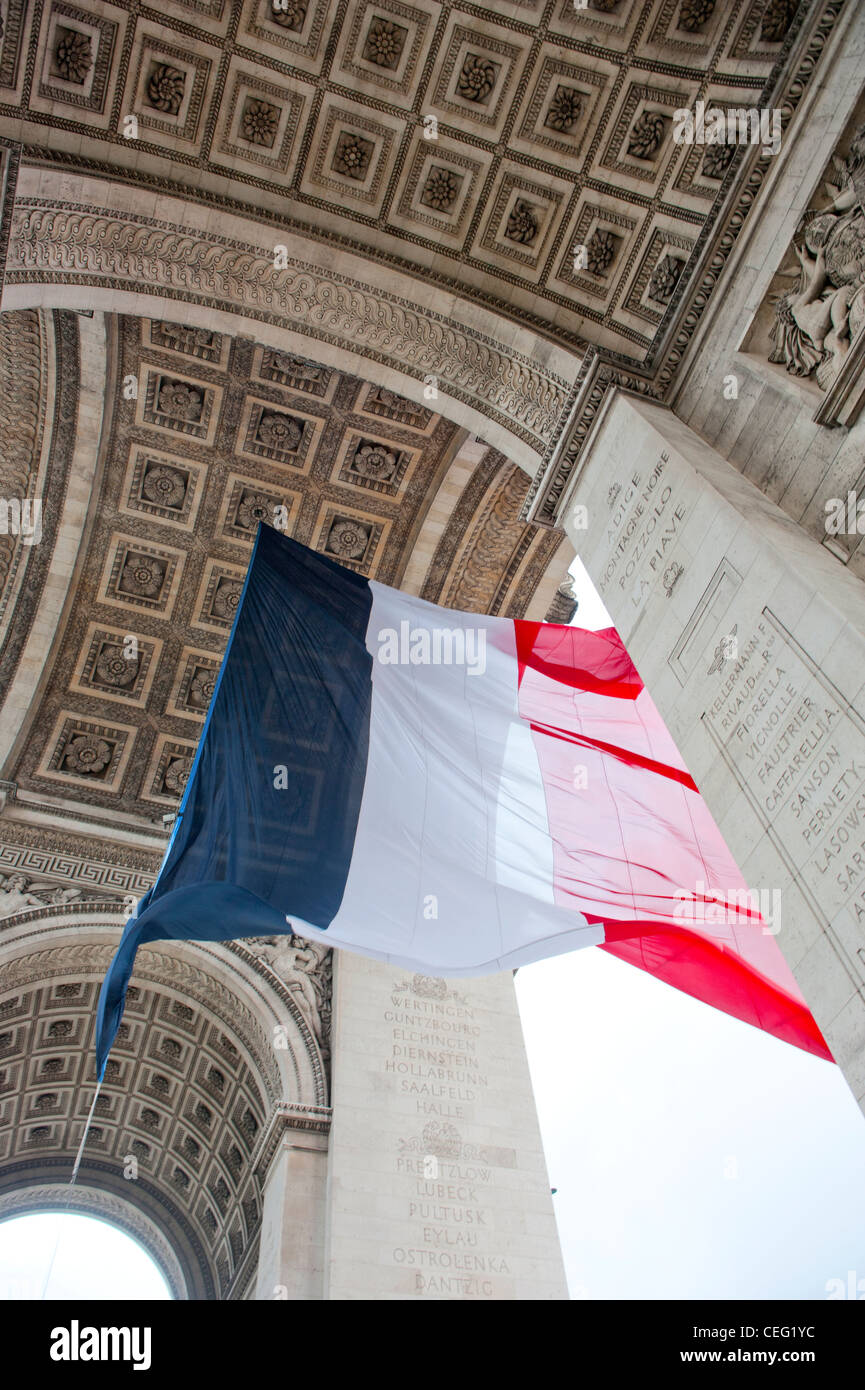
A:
(76, 1165)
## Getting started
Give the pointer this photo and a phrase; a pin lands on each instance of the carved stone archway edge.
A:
(198, 1276)
(123, 251)
(106, 1206)
(54, 948)
(33, 940)
(71, 392)
(28, 382)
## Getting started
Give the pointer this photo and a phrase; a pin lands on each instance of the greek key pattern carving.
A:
(82, 872)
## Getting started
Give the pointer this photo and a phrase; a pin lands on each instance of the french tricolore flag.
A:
(449, 792)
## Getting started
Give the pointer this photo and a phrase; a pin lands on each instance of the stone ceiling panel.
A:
(210, 435)
(470, 145)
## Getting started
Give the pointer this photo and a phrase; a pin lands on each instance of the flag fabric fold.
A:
(454, 793)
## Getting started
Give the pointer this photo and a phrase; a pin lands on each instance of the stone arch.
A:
(121, 250)
(197, 1095)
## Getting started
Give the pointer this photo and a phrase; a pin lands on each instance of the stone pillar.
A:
(291, 1248)
(437, 1184)
(749, 636)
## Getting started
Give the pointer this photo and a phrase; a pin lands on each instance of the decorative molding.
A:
(558, 473)
(67, 243)
(285, 1118)
(10, 158)
(25, 393)
(600, 371)
(37, 849)
(691, 300)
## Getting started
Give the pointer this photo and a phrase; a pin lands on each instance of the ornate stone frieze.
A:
(555, 477)
(665, 364)
(74, 245)
(18, 893)
(22, 402)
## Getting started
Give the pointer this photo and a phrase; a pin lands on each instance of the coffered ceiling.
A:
(183, 1126)
(209, 435)
(473, 146)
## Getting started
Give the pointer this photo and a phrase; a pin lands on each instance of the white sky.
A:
(93, 1260)
(694, 1156)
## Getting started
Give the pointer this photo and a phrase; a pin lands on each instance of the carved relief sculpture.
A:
(16, 895)
(305, 967)
(817, 320)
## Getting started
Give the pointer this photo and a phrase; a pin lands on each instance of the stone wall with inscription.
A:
(751, 639)
(437, 1185)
